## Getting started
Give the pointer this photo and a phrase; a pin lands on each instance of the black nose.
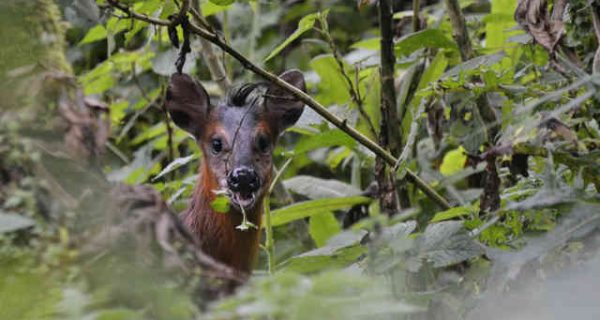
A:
(243, 179)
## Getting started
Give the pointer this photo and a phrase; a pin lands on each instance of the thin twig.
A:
(304, 97)
(214, 64)
(352, 90)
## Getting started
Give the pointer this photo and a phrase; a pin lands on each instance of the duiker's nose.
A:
(243, 179)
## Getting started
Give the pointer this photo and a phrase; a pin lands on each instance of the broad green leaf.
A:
(174, 165)
(451, 214)
(433, 72)
(444, 244)
(12, 222)
(323, 226)
(429, 38)
(499, 22)
(329, 138)
(306, 209)
(305, 24)
(454, 161)
(96, 33)
(332, 87)
(209, 8)
(317, 188)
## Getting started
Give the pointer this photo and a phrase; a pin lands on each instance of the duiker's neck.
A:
(217, 231)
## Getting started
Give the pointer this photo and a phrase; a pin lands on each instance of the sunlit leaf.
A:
(96, 33)
(454, 161)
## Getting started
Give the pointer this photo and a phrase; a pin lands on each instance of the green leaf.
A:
(118, 314)
(117, 112)
(451, 214)
(433, 72)
(444, 244)
(96, 33)
(332, 87)
(209, 8)
(329, 138)
(322, 227)
(174, 165)
(429, 38)
(222, 2)
(306, 209)
(12, 222)
(220, 204)
(499, 24)
(454, 161)
(317, 188)
(305, 24)
(369, 44)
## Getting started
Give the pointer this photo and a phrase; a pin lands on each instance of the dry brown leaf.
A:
(546, 28)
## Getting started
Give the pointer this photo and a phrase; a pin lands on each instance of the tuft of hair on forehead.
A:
(248, 94)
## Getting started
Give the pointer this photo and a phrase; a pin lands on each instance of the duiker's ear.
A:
(284, 109)
(188, 104)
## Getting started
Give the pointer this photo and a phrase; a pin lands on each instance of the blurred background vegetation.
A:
(92, 170)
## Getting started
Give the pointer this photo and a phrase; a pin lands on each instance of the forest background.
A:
(446, 165)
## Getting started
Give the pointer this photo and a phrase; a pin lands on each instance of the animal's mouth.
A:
(245, 200)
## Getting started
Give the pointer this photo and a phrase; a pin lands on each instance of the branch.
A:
(459, 29)
(596, 22)
(304, 97)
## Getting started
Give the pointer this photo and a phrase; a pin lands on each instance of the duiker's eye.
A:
(263, 144)
(217, 145)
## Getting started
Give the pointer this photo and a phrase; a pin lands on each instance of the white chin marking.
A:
(245, 201)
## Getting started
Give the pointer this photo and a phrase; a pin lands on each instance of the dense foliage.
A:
(506, 128)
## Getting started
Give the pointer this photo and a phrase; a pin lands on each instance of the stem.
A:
(269, 243)
(416, 22)
(269, 247)
(390, 135)
(352, 90)
(459, 29)
(214, 64)
(304, 97)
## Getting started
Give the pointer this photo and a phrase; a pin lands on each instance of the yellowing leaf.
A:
(454, 161)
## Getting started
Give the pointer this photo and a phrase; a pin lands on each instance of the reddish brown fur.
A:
(217, 231)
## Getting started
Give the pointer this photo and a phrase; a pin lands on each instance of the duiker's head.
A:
(237, 135)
